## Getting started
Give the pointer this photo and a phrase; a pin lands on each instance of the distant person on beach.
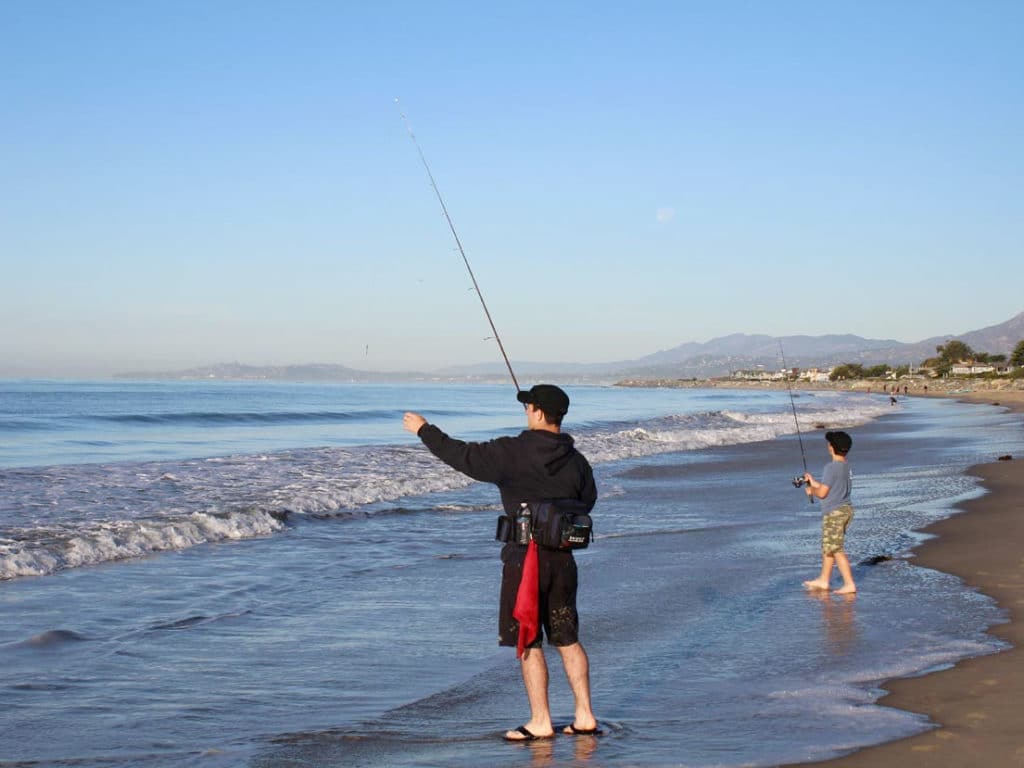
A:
(539, 464)
(837, 512)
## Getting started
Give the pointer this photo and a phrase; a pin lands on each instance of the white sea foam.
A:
(695, 431)
(81, 515)
(926, 652)
(50, 551)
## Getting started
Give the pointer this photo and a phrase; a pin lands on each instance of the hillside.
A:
(716, 357)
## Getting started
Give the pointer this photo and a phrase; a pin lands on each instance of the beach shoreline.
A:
(969, 389)
(974, 704)
(772, 674)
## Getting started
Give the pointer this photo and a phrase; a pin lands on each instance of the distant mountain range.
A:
(742, 351)
(717, 357)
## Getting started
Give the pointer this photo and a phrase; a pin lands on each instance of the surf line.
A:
(797, 481)
(458, 242)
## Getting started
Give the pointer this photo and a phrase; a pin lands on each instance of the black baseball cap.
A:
(840, 442)
(547, 397)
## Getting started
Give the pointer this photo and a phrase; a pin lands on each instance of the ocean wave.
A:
(191, 622)
(688, 432)
(44, 551)
(71, 516)
(242, 418)
(22, 425)
(52, 638)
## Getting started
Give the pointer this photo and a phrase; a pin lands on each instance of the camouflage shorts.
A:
(833, 529)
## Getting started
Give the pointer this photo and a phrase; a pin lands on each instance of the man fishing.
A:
(539, 464)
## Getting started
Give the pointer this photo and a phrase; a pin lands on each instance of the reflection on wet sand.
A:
(839, 627)
(542, 751)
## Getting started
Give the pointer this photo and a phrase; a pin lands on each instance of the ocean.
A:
(269, 574)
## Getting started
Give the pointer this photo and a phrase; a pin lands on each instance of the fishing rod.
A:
(458, 242)
(797, 481)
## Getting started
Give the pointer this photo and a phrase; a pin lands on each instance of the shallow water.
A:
(364, 634)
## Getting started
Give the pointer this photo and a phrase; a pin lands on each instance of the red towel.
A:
(527, 610)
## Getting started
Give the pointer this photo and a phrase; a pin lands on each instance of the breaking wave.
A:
(68, 516)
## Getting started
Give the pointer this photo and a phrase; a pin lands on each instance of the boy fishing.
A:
(834, 491)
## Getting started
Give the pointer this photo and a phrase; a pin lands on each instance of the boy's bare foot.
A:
(846, 589)
(816, 584)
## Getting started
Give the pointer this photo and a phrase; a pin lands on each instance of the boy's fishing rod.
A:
(458, 242)
(797, 481)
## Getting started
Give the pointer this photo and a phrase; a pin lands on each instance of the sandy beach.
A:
(974, 390)
(976, 703)
(273, 648)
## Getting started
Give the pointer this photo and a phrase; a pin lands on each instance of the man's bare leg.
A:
(535, 678)
(848, 587)
(822, 581)
(577, 671)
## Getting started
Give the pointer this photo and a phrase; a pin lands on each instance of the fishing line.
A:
(792, 403)
(458, 242)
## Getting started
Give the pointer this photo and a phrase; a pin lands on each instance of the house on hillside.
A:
(759, 375)
(970, 368)
(816, 375)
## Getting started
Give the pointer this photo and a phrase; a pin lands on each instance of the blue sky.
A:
(188, 183)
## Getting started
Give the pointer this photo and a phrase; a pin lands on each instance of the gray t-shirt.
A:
(836, 476)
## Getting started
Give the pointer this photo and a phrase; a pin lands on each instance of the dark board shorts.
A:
(557, 577)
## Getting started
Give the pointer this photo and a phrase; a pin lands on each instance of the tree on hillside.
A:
(989, 357)
(877, 371)
(1017, 357)
(947, 355)
(847, 371)
(954, 351)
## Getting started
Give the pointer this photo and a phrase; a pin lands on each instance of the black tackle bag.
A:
(562, 524)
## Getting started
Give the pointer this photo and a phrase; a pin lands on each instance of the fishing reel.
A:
(799, 482)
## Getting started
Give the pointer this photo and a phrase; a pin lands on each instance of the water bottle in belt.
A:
(525, 521)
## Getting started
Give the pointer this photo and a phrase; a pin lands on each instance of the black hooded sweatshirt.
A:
(535, 465)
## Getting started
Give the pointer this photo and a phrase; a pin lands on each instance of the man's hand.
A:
(413, 422)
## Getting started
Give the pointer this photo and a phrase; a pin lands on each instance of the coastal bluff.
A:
(964, 388)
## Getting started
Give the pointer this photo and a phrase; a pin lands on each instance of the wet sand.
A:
(976, 704)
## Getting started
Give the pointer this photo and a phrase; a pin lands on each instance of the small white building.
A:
(816, 375)
(968, 369)
(759, 375)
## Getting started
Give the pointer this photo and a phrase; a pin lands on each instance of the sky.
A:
(189, 183)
